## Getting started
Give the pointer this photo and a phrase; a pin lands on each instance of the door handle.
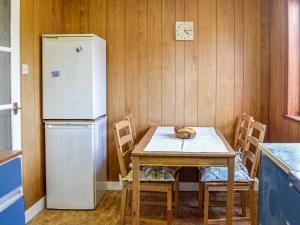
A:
(16, 108)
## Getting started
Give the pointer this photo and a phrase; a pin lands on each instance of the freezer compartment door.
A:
(70, 166)
(68, 78)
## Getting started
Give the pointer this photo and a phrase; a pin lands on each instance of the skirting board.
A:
(35, 209)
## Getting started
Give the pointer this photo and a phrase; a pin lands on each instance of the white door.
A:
(10, 124)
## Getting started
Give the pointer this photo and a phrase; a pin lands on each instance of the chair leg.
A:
(243, 201)
(206, 204)
(129, 197)
(200, 197)
(177, 209)
(252, 203)
(169, 207)
(123, 205)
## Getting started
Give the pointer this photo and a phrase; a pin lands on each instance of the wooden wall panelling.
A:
(265, 63)
(143, 66)
(38, 17)
(27, 99)
(238, 59)
(39, 27)
(179, 69)
(71, 16)
(225, 67)
(207, 63)
(84, 16)
(191, 66)
(277, 69)
(168, 82)
(131, 59)
(116, 78)
(154, 62)
(252, 57)
(97, 17)
(280, 129)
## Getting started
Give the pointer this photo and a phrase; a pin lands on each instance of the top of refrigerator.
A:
(74, 77)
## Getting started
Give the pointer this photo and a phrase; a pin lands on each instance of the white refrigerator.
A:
(74, 112)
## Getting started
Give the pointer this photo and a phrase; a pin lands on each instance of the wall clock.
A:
(184, 30)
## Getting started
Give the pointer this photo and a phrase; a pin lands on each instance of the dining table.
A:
(160, 147)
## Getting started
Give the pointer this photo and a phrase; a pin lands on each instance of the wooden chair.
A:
(125, 145)
(242, 132)
(240, 140)
(130, 118)
(243, 181)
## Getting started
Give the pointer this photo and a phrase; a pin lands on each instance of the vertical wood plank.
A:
(131, 59)
(191, 66)
(252, 57)
(179, 69)
(207, 63)
(168, 62)
(40, 12)
(84, 16)
(225, 67)
(71, 16)
(277, 69)
(238, 59)
(265, 60)
(116, 78)
(154, 62)
(97, 17)
(27, 99)
(143, 66)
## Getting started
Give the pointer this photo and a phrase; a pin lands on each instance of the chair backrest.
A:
(125, 145)
(251, 154)
(242, 132)
(129, 117)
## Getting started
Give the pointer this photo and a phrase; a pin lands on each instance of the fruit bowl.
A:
(184, 132)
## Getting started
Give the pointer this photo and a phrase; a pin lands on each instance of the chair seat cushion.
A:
(153, 174)
(215, 174)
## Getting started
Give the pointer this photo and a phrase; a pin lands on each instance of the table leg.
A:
(136, 191)
(230, 191)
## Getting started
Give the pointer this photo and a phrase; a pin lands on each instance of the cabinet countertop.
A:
(285, 155)
(6, 155)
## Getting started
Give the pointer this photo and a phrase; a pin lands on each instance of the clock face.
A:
(184, 30)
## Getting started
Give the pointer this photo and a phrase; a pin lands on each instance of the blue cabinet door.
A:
(14, 214)
(279, 203)
(10, 176)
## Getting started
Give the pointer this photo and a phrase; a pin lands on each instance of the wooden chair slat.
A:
(126, 139)
(249, 156)
(244, 130)
(122, 124)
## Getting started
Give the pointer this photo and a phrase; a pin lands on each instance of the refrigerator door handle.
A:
(68, 126)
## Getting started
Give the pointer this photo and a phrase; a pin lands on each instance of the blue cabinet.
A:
(11, 195)
(279, 202)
